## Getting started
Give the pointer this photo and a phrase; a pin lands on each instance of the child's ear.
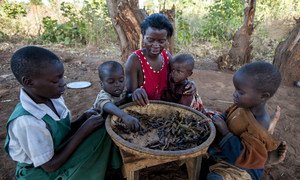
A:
(26, 81)
(142, 44)
(265, 95)
(191, 73)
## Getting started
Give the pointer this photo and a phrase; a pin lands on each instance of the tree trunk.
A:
(287, 56)
(240, 52)
(126, 18)
(35, 12)
(170, 13)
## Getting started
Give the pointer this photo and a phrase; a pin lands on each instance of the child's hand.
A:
(190, 88)
(84, 117)
(220, 124)
(93, 122)
(131, 122)
(92, 111)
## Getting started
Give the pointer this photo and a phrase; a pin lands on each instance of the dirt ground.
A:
(215, 88)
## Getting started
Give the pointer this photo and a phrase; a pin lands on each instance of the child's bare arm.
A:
(63, 155)
(130, 121)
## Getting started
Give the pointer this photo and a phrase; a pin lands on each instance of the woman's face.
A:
(155, 40)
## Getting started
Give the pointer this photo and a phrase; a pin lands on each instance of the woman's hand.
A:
(220, 124)
(140, 97)
(190, 88)
(131, 122)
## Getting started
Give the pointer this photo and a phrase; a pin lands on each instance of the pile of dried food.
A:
(168, 134)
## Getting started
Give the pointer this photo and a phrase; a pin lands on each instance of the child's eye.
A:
(162, 41)
(55, 82)
(121, 80)
(241, 92)
(150, 39)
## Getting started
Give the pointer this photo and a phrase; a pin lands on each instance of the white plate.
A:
(79, 84)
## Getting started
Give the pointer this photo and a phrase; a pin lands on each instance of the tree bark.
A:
(126, 18)
(287, 56)
(240, 52)
(170, 13)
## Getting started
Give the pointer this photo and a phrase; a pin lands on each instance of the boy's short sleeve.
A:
(102, 98)
(30, 141)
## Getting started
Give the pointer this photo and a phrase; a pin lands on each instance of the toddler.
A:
(112, 81)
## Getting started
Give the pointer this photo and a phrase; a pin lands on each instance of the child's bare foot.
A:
(278, 155)
(275, 118)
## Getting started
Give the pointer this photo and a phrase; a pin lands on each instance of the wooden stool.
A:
(133, 163)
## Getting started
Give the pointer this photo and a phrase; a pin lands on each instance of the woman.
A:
(147, 69)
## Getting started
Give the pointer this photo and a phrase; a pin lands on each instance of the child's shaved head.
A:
(186, 59)
(266, 76)
(31, 60)
(109, 66)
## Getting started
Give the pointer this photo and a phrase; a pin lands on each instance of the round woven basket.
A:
(164, 109)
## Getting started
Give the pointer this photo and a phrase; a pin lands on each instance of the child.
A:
(112, 81)
(39, 127)
(246, 143)
(181, 68)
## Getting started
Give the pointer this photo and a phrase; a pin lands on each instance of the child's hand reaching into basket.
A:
(131, 122)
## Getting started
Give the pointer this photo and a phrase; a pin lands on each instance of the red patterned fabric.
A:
(155, 82)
